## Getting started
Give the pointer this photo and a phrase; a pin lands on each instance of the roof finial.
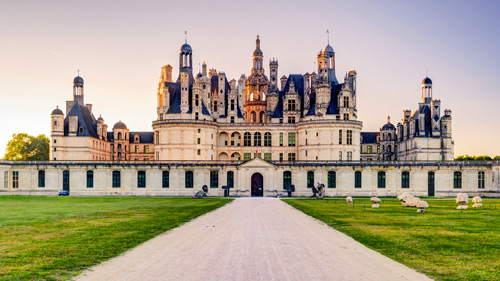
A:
(426, 72)
(388, 119)
(185, 36)
(78, 71)
(328, 36)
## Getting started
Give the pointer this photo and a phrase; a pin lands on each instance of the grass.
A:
(443, 243)
(51, 238)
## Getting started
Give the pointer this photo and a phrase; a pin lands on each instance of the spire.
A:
(257, 43)
(328, 36)
(185, 37)
(388, 119)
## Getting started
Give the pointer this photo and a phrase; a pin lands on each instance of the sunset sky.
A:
(120, 47)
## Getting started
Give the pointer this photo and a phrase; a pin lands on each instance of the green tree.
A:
(26, 147)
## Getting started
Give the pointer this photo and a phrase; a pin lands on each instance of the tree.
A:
(26, 147)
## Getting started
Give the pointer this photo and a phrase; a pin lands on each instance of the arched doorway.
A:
(257, 185)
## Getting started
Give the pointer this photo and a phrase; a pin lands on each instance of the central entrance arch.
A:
(257, 185)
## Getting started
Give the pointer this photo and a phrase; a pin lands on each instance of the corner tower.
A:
(256, 88)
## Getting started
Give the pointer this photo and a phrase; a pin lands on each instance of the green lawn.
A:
(56, 238)
(442, 243)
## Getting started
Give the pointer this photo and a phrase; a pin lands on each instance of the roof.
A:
(57, 111)
(78, 80)
(186, 48)
(86, 121)
(119, 125)
(369, 137)
(427, 80)
(388, 126)
(144, 137)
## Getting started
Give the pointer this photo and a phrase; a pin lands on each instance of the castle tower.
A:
(78, 90)
(186, 58)
(273, 87)
(426, 90)
(256, 88)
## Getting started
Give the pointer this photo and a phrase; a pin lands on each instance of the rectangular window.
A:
(332, 179)
(90, 179)
(41, 178)
(457, 180)
(257, 155)
(136, 149)
(15, 179)
(378, 148)
(310, 179)
(281, 139)
(349, 137)
(247, 156)
(291, 119)
(214, 179)
(189, 179)
(291, 139)
(291, 156)
(281, 157)
(146, 149)
(66, 180)
(267, 156)
(340, 136)
(381, 179)
(346, 116)
(198, 141)
(405, 179)
(340, 155)
(369, 149)
(349, 155)
(287, 179)
(157, 137)
(6, 179)
(357, 179)
(116, 179)
(230, 179)
(480, 179)
(165, 179)
(141, 179)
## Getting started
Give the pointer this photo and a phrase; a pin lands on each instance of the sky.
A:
(120, 46)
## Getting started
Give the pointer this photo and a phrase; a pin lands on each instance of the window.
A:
(136, 149)
(198, 140)
(291, 139)
(267, 156)
(369, 149)
(291, 119)
(232, 104)
(267, 139)
(119, 136)
(215, 106)
(480, 179)
(346, 116)
(198, 151)
(247, 156)
(90, 179)
(189, 179)
(281, 139)
(332, 179)
(116, 179)
(232, 119)
(340, 136)
(247, 139)
(281, 157)
(291, 105)
(165, 179)
(310, 179)
(141, 179)
(457, 180)
(66, 180)
(6, 179)
(357, 179)
(346, 101)
(41, 178)
(349, 137)
(15, 179)
(349, 155)
(214, 179)
(340, 155)
(378, 148)
(257, 139)
(257, 155)
(405, 179)
(381, 179)
(291, 156)
(230, 179)
(146, 149)
(287, 179)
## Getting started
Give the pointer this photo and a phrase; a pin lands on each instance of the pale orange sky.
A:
(120, 46)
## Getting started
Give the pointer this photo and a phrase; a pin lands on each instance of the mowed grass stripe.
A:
(443, 243)
(50, 238)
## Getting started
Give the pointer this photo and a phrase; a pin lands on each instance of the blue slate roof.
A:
(369, 137)
(333, 107)
(86, 121)
(204, 109)
(144, 137)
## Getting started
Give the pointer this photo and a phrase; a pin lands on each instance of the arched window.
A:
(381, 179)
(267, 139)
(253, 116)
(257, 139)
(247, 139)
(389, 148)
(262, 117)
(310, 179)
(287, 179)
(119, 136)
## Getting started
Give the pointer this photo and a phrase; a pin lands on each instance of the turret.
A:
(426, 90)
(57, 122)
(273, 67)
(446, 131)
(78, 90)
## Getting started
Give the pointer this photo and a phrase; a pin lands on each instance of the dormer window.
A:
(80, 130)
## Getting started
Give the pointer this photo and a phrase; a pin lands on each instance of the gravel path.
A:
(252, 239)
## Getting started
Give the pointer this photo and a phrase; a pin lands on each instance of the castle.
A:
(207, 117)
